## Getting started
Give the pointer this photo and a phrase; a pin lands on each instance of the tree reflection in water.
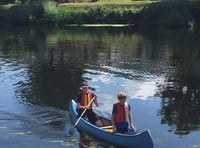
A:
(180, 107)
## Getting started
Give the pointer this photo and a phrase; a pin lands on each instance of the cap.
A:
(83, 85)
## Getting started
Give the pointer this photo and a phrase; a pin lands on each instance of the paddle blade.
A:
(71, 131)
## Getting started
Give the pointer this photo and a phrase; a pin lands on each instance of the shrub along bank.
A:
(169, 14)
(90, 15)
(160, 14)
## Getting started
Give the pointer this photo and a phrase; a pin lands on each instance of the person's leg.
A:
(99, 123)
(94, 118)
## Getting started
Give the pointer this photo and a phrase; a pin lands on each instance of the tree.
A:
(6, 1)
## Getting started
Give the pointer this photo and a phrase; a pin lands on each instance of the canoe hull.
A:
(142, 139)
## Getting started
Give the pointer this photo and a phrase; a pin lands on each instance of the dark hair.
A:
(84, 84)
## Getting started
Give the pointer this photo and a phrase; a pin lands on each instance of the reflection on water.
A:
(41, 70)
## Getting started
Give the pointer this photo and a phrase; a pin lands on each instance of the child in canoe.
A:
(121, 115)
(84, 99)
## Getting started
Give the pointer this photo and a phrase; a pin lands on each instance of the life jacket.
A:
(121, 113)
(86, 99)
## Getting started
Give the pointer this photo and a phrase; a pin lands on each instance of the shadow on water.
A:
(46, 66)
(47, 123)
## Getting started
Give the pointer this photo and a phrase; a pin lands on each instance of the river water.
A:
(41, 70)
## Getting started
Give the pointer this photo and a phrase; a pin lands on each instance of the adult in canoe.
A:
(83, 102)
(121, 115)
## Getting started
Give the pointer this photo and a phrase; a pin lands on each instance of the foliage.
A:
(20, 14)
(170, 14)
(165, 14)
(6, 1)
(101, 14)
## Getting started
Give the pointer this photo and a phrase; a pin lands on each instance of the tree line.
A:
(165, 14)
(3, 2)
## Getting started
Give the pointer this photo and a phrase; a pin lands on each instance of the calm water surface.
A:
(41, 70)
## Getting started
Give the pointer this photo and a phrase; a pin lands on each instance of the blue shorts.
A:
(122, 130)
(121, 127)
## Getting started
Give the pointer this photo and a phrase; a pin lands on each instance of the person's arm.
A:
(81, 107)
(130, 117)
(114, 110)
(96, 102)
(113, 123)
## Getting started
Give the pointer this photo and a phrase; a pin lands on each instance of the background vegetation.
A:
(164, 14)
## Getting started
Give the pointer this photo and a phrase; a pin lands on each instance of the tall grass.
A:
(100, 14)
(165, 14)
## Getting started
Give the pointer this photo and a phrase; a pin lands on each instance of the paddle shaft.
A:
(84, 111)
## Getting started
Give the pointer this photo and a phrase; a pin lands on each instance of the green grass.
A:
(112, 3)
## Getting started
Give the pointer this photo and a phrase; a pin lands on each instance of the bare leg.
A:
(99, 123)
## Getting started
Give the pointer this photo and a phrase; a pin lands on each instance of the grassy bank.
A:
(110, 3)
(91, 15)
(140, 13)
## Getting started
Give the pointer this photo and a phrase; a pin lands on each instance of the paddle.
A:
(71, 131)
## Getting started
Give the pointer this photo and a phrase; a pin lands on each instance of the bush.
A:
(6, 1)
(170, 14)
(101, 14)
(21, 14)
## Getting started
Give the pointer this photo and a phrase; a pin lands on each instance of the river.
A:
(42, 68)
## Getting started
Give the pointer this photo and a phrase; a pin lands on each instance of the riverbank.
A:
(142, 14)
(110, 3)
